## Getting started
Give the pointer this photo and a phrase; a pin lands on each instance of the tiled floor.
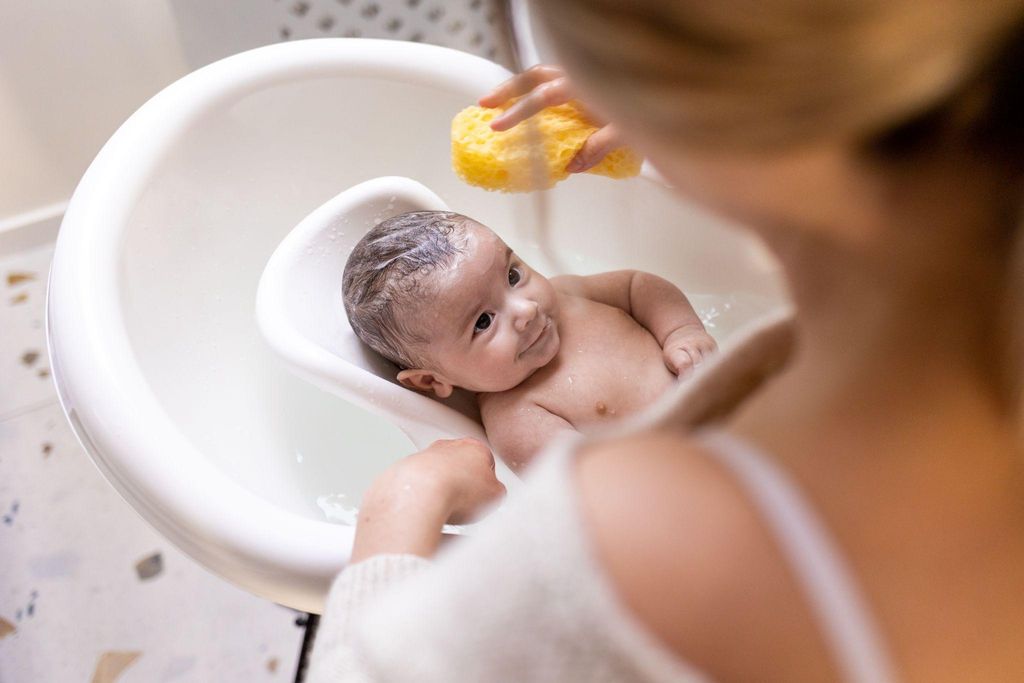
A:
(88, 592)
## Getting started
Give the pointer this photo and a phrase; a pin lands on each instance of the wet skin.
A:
(545, 355)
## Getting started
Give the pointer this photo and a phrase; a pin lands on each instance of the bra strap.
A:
(823, 575)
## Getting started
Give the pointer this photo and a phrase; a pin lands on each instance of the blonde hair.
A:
(761, 74)
(892, 78)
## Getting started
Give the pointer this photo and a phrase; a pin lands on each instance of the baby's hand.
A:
(686, 348)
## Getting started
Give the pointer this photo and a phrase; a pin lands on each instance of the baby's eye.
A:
(514, 276)
(483, 322)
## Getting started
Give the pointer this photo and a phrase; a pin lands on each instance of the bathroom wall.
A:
(70, 72)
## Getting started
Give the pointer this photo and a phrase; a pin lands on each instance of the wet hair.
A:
(384, 277)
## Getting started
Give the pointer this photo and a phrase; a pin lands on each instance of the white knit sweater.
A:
(522, 600)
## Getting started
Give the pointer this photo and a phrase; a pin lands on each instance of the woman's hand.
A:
(459, 471)
(406, 506)
(545, 86)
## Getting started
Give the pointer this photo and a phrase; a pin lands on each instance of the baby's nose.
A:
(527, 311)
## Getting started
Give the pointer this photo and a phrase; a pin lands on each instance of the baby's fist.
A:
(686, 348)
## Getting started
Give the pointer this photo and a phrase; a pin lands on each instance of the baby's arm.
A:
(655, 303)
(518, 430)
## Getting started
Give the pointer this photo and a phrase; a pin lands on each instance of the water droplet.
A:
(335, 510)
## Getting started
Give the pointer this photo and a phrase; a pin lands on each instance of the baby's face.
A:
(491, 320)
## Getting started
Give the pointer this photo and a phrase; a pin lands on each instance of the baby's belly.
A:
(608, 366)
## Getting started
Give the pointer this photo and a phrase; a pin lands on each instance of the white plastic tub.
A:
(160, 366)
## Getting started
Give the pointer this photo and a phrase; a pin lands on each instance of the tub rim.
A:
(117, 418)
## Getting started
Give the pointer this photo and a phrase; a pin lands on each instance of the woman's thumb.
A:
(597, 146)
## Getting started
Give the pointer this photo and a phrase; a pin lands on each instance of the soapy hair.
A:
(383, 278)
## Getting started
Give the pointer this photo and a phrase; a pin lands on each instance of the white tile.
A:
(68, 580)
(69, 547)
(24, 369)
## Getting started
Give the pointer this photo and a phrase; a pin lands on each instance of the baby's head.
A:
(446, 300)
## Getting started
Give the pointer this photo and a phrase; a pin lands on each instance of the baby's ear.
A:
(425, 380)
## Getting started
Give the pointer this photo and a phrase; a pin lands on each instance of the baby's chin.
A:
(541, 361)
(555, 346)
(550, 353)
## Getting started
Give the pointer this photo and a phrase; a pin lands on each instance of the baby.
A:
(443, 297)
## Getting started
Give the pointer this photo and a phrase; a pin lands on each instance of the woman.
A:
(863, 517)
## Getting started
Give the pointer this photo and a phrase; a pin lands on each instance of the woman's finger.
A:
(520, 84)
(597, 146)
(543, 96)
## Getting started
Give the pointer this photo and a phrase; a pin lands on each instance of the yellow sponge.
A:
(501, 161)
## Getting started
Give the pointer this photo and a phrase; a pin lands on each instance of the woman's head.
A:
(762, 74)
(877, 143)
(738, 100)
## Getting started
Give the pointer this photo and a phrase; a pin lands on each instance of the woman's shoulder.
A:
(684, 516)
(688, 555)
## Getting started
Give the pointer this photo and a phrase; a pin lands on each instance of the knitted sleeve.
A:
(522, 599)
(333, 657)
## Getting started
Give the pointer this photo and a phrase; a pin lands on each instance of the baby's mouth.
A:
(540, 335)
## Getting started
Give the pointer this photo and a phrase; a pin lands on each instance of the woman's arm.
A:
(519, 600)
(399, 526)
(406, 507)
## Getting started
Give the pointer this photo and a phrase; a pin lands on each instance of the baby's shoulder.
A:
(498, 405)
(518, 426)
(582, 303)
(571, 288)
(536, 400)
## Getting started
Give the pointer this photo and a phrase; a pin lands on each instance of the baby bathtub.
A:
(159, 365)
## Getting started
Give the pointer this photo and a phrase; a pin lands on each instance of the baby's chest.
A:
(608, 366)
